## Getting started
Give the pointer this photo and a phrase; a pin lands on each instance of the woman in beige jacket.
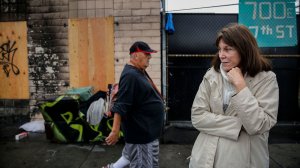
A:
(236, 105)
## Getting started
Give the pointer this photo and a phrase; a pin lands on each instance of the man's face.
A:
(142, 60)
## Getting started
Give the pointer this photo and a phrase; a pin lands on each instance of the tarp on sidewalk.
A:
(64, 121)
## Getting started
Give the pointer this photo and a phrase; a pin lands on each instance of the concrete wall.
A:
(48, 41)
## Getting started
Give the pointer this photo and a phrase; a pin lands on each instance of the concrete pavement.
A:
(36, 151)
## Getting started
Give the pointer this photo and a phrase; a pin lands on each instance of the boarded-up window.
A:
(91, 52)
(14, 82)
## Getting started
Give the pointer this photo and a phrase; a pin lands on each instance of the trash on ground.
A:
(34, 126)
(21, 135)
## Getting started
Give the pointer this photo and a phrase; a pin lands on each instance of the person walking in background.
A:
(139, 108)
(236, 105)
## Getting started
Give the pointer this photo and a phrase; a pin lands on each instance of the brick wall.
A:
(48, 49)
(47, 52)
(13, 110)
(48, 41)
(137, 20)
(134, 20)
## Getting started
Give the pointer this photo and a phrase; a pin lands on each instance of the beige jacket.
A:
(238, 137)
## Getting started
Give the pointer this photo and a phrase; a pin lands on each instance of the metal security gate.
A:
(189, 52)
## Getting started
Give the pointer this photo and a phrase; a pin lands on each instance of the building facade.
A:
(48, 38)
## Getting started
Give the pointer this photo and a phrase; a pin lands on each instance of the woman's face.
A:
(229, 56)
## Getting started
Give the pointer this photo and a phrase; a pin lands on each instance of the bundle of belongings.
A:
(79, 115)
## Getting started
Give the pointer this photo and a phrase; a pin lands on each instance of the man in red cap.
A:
(139, 107)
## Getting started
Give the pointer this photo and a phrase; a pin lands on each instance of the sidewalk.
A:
(37, 152)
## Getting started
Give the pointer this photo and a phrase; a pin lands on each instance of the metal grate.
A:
(195, 36)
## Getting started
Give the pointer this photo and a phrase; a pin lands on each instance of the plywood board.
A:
(14, 82)
(91, 52)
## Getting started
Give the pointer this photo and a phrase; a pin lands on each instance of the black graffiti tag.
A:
(7, 52)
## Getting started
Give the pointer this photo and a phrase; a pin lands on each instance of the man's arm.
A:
(113, 136)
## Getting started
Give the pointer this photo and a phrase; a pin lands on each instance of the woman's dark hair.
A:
(239, 37)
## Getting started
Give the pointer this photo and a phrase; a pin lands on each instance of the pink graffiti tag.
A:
(7, 53)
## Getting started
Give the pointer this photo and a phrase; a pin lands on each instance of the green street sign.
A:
(272, 22)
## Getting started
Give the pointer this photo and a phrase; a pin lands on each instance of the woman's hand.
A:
(235, 76)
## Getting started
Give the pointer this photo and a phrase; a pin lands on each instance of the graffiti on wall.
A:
(13, 60)
(7, 54)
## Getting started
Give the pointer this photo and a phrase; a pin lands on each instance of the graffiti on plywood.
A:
(7, 54)
(14, 81)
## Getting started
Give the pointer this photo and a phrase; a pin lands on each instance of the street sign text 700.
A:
(267, 10)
